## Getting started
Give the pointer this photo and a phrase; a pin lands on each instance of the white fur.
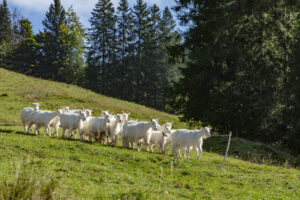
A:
(114, 127)
(43, 118)
(159, 137)
(96, 125)
(133, 132)
(55, 123)
(72, 121)
(185, 139)
(125, 117)
(25, 113)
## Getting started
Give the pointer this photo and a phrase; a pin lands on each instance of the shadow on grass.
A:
(17, 132)
(6, 131)
(27, 134)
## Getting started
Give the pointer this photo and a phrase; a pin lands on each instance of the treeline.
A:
(240, 60)
(243, 68)
(123, 54)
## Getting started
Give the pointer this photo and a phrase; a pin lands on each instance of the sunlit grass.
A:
(18, 91)
(84, 170)
(38, 167)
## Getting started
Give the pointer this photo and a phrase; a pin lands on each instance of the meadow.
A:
(43, 167)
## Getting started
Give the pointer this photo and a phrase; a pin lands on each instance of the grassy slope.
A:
(98, 168)
(93, 171)
(18, 91)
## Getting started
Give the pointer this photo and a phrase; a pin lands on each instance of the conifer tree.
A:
(141, 30)
(238, 66)
(5, 33)
(124, 78)
(24, 57)
(52, 52)
(72, 44)
(5, 23)
(102, 46)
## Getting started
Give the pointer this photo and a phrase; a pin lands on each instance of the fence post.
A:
(227, 149)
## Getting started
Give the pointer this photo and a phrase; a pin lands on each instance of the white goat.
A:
(43, 118)
(76, 111)
(114, 127)
(125, 117)
(169, 139)
(72, 121)
(185, 139)
(66, 109)
(96, 125)
(55, 123)
(25, 112)
(133, 132)
(159, 137)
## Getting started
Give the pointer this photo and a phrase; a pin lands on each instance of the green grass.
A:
(70, 169)
(38, 167)
(18, 91)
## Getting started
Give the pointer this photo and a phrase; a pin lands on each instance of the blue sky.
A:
(35, 10)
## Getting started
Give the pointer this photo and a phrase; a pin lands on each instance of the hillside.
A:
(49, 167)
(18, 91)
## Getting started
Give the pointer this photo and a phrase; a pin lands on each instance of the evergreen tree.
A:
(52, 52)
(169, 39)
(237, 66)
(141, 30)
(154, 71)
(24, 57)
(5, 23)
(72, 42)
(16, 28)
(5, 33)
(102, 47)
(125, 48)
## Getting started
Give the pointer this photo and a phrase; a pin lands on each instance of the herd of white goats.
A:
(100, 128)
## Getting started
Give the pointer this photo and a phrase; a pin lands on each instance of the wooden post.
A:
(227, 149)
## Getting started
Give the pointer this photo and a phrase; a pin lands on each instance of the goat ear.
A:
(80, 111)
(56, 108)
(151, 118)
(122, 112)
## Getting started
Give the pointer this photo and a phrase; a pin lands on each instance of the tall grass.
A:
(22, 184)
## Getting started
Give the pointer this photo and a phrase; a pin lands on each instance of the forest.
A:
(235, 66)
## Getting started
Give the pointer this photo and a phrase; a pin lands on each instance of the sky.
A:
(35, 10)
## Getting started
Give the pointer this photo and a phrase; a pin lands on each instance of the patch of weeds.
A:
(23, 185)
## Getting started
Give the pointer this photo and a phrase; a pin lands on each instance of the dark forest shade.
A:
(240, 74)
